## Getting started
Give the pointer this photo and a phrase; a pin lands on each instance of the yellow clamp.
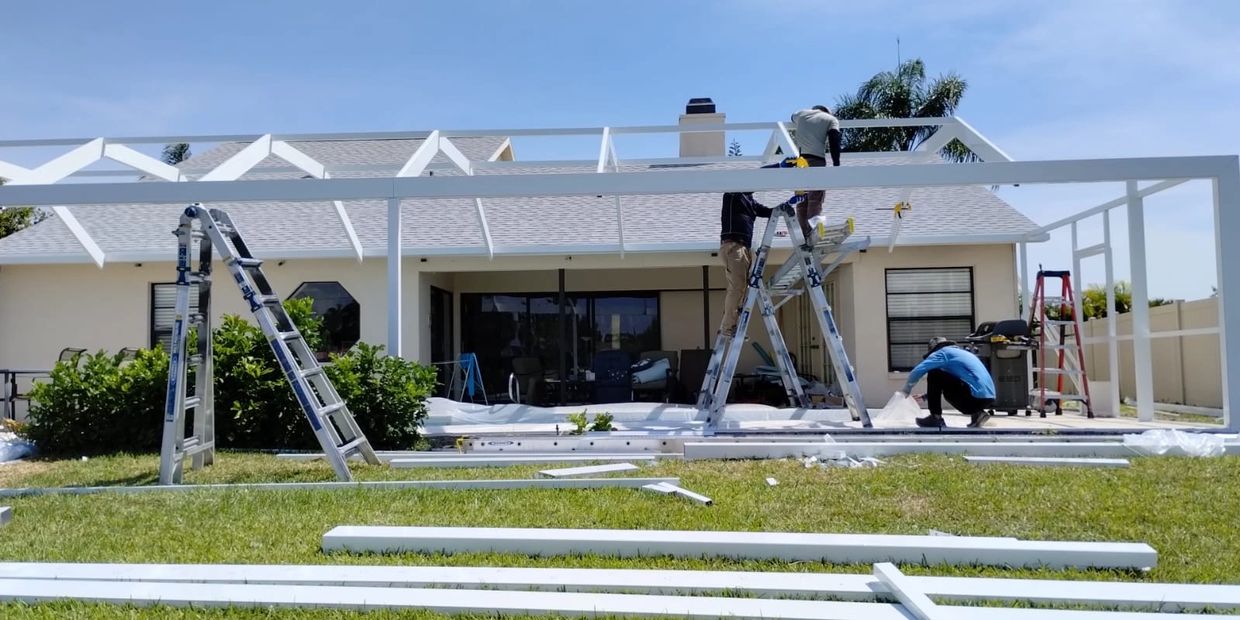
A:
(798, 162)
(901, 207)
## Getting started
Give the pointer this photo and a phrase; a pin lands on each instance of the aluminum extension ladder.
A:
(1060, 337)
(801, 268)
(328, 414)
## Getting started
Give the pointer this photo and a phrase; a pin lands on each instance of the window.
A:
(163, 312)
(922, 304)
(340, 312)
(499, 327)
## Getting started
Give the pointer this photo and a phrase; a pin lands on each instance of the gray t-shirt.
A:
(811, 131)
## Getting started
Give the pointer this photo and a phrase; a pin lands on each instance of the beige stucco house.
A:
(952, 266)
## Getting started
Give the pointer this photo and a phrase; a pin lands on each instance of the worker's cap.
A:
(936, 343)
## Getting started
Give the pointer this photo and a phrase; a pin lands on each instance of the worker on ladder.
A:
(817, 131)
(956, 375)
(739, 211)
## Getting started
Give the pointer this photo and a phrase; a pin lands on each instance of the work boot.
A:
(931, 421)
(979, 419)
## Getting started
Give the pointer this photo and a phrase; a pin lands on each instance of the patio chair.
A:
(528, 379)
(659, 381)
(613, 381)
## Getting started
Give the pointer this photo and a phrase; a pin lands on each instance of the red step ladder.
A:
(1060, 334)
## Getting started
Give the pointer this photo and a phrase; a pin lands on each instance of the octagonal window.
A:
(340, 312)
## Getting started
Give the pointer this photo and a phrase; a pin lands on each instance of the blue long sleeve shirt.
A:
(958, 363)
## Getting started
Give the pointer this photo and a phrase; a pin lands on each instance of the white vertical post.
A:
(1023, 274)
(394, 278)
(1112, 319)
(1076, 280)
(1142, 353)
(1227, 226)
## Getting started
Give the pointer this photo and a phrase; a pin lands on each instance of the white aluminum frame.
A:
(37, 187)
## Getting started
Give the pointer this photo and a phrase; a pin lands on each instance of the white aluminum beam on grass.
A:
(833, 548)
(440, 454)
(909, 595)
(381, 485)
(572, 472)
(767, 450)
(1046, 461)
(6, 514)
(509, 460)
(672, 489)
(1163, 597)
(504, 603)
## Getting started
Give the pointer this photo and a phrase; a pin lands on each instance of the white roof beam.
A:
(1107, 206)
(142, 162)
(58, 169)
(636, 183)
(455, 156)
(421, 157)
(978, 143)
(938, 139)
(459, 160)
(785, 140)
(312, 166)
(239, 164)
(12, 171)
(602, 150)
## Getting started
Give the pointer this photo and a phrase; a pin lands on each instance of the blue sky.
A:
(1047, 79)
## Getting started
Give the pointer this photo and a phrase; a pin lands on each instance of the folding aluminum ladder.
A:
(328, 414)
(801, 268)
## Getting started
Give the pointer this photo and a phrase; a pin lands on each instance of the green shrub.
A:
(602, 423)
(100, 403)
(387, 395)
(579, 422)
(254, 406)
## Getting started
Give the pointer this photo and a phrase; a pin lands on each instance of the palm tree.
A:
(175, 153)
(904, 93)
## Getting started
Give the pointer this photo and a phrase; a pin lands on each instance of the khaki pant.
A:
(812, 205)
(737, 260)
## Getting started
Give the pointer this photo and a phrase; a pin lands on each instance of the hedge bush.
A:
(105, 405)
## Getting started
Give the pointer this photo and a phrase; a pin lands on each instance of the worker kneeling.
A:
(958, 376)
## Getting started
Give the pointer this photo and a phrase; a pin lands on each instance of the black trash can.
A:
(1003, 347)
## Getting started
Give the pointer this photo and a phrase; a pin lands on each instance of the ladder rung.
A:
(197, 447)
(352, 445)
(195, 360)
(287, 336)
(1056, 371)
(1057, 322)
(268, 300)
(330, 409)
(1060, 347)
(313, 372)
(248, 262)
(192, 401)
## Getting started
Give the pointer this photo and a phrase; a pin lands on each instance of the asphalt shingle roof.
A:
(273, 229)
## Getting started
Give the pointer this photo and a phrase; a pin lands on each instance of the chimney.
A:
(701, 111)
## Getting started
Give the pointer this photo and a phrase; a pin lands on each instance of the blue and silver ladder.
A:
(329, 416)
(802, 268)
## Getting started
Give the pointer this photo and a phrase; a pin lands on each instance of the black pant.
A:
(941, 385)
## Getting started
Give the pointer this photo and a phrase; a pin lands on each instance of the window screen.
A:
(923, 304)
(163, 312)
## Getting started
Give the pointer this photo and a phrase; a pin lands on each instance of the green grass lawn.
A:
(1184, 507)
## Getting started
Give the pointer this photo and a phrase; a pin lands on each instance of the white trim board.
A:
(1164, 597)
(911, 596)
(511, 459)
(445, 454)
(502, 602)
(776, 450)
(671, 489)
(833, 548)
(451, 485)
(1044, 461)
(570, 472)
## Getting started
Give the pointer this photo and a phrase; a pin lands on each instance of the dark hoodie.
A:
(739, 211)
